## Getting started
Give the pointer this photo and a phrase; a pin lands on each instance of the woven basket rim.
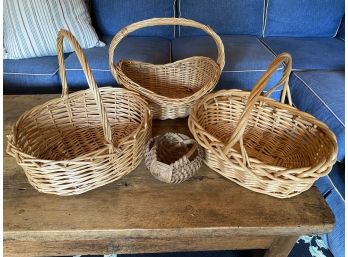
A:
(271, 102)
(198, 156)
(77, 94)
(173, 101)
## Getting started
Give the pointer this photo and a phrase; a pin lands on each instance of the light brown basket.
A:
(265, 146)
(173, 157)
(81, 141)
(171, 88)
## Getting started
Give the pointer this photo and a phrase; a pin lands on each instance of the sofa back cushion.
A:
(303, 18)
(110, 16)
(225, 17)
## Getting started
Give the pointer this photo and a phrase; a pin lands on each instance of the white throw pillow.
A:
(31, 27)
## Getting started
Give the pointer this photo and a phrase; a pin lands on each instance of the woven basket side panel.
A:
(176, 81)
(275, 137)
(288, 150)
(71, 135)
(166, 158)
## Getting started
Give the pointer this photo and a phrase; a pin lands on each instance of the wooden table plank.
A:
(140, 214)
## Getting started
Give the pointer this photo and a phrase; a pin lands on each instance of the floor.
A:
(306, 246)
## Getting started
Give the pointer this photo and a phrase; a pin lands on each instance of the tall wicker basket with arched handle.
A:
(265, 146)
(171, 88)
(83, 140)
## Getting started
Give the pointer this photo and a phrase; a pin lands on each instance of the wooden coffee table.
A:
(140, 214)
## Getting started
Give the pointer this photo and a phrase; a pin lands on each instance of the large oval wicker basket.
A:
(171, 88)
(265, 146)
(83, 140)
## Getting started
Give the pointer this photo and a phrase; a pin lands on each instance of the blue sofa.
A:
(253, 32)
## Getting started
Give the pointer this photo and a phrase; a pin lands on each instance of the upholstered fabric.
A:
(332, 188)
(340, 32)
(30, 27)
(32, 75)
(246, 58)
(109, 16)
(303, 18)
(224, 16)
(321, 93)
(310, 53)
(146, 49)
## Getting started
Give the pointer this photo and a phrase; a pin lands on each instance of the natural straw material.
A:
(81, 141)
(170, 88)
(265, 146)
(173, 157)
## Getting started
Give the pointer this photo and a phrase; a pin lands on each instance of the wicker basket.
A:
(81, 141)
(265, 146)
(171, 88)
(173, 157)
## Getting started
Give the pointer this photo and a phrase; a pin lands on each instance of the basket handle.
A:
(256, 92)
(90, 79)
(167, 21)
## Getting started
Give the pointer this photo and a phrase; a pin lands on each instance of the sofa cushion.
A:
(110, 16)
(321, 93)
(147, 49)
(303, 18)
(332, 188)
(246, 58)
(310, 53)
(224, 16)
(31, 27)
(32, 75)
(340, 32)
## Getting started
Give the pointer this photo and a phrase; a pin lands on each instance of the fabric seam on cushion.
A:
(333, 185)
(228, 71)
(30, 74)
(339, 25)
(321, 100)
(266, 15)
(174, 11)
(179, 10)
(269, 49)
(79, 69)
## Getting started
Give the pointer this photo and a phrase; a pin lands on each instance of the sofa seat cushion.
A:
(332, 188)
(321, 93)
(32, 75)
(245, 56)
(341, 30)
(147, 49)
(310, 53)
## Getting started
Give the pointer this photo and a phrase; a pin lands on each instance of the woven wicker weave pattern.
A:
(83, 140)
(265, 146)
(171, 88)
(173, 157)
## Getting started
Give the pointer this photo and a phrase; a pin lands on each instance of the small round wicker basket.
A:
(173, 157)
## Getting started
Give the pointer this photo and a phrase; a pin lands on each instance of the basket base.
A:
(252, 182)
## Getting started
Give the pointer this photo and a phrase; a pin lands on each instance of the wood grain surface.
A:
(141, 214)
